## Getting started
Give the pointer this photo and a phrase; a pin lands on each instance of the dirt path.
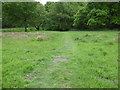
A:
(68, 47)
(57, 72)
(57, 69)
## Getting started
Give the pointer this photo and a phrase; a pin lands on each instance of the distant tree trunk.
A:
(25, 24)
(25, 28)
(37, 27)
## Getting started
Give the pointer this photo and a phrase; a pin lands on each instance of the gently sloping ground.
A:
(87, 62)
(58, 66)
(0, 63)
(56, 74)
(68, 47)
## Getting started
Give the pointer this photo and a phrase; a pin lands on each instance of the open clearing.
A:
(51, 59)
(0, 61)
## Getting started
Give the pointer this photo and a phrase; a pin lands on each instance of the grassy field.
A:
(0, 61)
(30, 29)
(51, 59)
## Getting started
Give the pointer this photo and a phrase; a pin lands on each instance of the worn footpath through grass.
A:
(62, 60)
(58, 73)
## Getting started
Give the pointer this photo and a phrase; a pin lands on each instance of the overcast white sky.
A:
(44, 1)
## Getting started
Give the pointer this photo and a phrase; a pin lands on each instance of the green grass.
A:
(92, 59)
(0, 62)
(17, 29)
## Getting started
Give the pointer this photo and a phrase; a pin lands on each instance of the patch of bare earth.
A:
(88, 35)
(16, 35)
(116, 39)
(36, 33)
(1, 36)
(59, 58)
(107, 80)
(68, 47)
(70, 73)
(41, 38)
(31, 76)
(26, 35)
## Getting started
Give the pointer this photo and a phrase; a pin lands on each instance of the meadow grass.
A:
(30, 29)
(73, 59)
(0, 62)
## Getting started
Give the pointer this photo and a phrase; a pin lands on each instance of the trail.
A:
(57, 74)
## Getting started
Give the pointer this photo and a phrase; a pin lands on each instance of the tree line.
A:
(61, 16)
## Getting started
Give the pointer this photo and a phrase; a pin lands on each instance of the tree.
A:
(114, 11)
(97, 15)
(19, 13)
(39, 17)
(7, 20)
(60, 15)
(48, 5)
(97, 18)
(80, 20)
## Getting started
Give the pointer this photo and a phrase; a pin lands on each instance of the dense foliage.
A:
(19, 14)
(61, 15)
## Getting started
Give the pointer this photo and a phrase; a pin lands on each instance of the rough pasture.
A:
(74, 59)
